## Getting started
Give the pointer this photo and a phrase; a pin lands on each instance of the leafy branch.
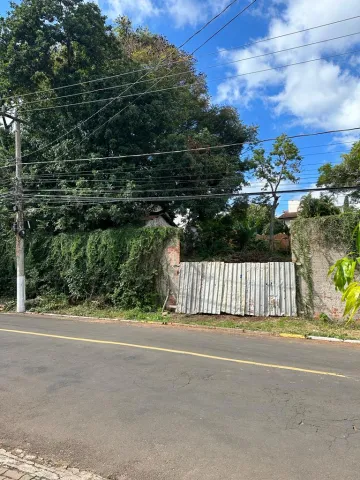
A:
(344, 278)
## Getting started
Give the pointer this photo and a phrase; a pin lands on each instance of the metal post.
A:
(20, 231)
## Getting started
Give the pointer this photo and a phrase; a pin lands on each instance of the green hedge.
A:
(330, 232)
(119, 266)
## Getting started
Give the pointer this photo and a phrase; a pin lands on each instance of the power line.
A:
(187, 171)
(171, 184)
(99, 79)
(267, 39)
(77, 176)
(119, 97)
(98, 111)
(201, 196)
(209, 22)
(134, 71)
(180, 178)
(171, 181)
(155, 83)
(224, 26)
(198, 149)
(153, 167)
(138, 188)
(180, 73)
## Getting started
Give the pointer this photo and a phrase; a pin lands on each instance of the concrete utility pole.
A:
(19, 209)
(20, 230)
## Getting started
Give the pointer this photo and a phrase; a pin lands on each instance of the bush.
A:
(120, 266)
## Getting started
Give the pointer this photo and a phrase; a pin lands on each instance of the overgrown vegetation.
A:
(113, 267)
(331, 232)
(318, 207)
(52, 55)
(345, 272)
(345, 174)
(233, 235)
(281, 164)
(300, 326)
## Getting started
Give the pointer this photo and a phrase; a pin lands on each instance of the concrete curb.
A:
(332, 339)
(202, 327)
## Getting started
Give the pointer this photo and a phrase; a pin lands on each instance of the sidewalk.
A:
(17, 465)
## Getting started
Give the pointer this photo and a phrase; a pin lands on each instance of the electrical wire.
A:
(179, 73)
(204, 176)
(113, 187)
(109, 171)
(154, 84)
(98, 111)
(229, 5)
(201, 196)
(147, 188)
(197, 149)
(223, 27)
(119, 97)
(178, 61)
(134, 71)
(183, 177)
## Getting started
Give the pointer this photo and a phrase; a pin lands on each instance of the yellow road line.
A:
(291, 335)
(182, 352)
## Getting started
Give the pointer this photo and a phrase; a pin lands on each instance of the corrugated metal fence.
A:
(260, 289)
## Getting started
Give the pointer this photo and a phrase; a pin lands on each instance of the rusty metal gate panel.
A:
(259, 289)
(234, 288)
(212, 284)
(189, 297)
(200, 289)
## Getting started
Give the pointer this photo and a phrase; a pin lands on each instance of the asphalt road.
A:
(143, 414)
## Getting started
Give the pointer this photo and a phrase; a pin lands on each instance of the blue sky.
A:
(322, 95)
(316, 96)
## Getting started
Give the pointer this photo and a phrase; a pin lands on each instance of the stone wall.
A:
(316, 244)
(169, 281)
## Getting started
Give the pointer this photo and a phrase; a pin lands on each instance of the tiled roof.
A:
(288, 215)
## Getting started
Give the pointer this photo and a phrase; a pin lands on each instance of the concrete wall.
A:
(156, 221)
(169, 281)
(315, 263)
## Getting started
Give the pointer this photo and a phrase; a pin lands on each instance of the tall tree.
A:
(48, 45)
(283, 163)
(318, 207)
(345, 174)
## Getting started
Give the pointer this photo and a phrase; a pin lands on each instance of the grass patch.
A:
(299, 326)
(92, 308)
(97, 309)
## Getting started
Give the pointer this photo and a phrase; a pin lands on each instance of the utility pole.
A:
(19, 226)
(20, 230)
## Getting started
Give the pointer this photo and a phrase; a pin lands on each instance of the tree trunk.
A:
(272, 221)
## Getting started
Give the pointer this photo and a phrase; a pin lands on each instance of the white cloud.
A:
(181, 12)
(322, 94)
(355, 60)
(186, 12)
(138, 10)
(193, 12)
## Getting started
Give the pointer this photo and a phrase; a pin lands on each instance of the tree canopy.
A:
(71, 77)
(318, 207)
(346, 173)
(282, 164)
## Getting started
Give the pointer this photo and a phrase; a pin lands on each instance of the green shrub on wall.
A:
(331, 232)
(7, 265)
(120, 266)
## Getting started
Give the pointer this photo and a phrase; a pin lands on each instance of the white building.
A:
(291, 213)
